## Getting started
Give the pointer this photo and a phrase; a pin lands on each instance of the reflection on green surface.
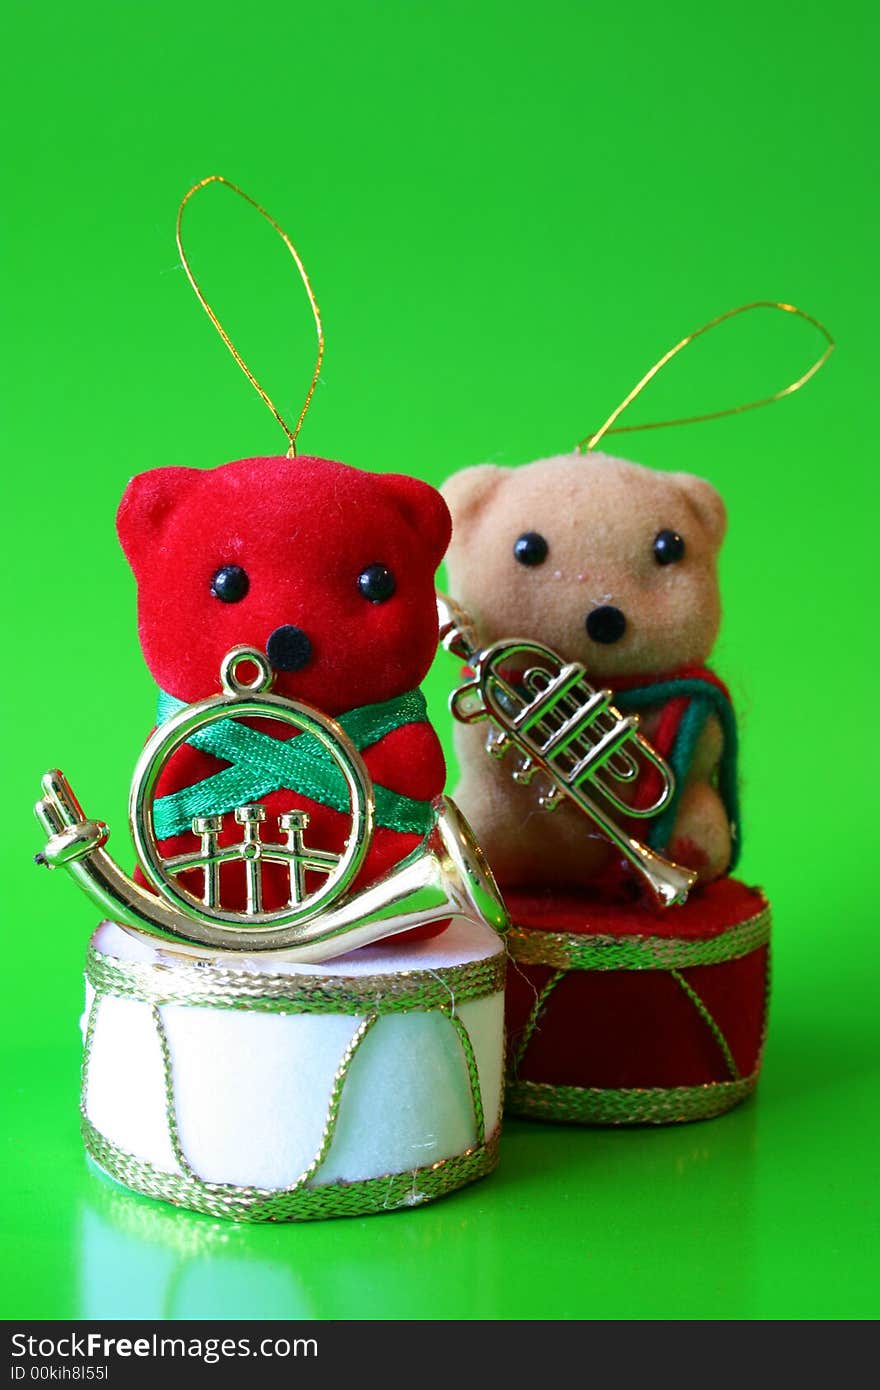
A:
(141, 1259)
(764, 1212)
(480, 1254)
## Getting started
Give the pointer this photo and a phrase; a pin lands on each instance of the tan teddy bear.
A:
(613, 565)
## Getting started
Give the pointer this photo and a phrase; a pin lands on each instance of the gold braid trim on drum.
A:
(384, 1193)
(568, 951)
(597, 1105)
(213, 986)
(653, 1105)
(366, 998)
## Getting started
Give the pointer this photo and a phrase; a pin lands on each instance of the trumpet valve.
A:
(497, 743)
(551, 799)
(525, 772)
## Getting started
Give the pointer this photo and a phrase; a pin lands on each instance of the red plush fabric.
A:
(303, 529)
(711, 908)
(631, 1028)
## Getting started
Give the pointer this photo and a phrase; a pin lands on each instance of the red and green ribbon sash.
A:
(688, 700)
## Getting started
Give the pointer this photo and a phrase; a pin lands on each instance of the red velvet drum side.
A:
(619, 1015)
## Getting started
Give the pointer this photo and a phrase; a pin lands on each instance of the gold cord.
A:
(591, 440)
(264, 396)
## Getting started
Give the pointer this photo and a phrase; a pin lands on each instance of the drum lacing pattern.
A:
(633, 1105)
(154, 984)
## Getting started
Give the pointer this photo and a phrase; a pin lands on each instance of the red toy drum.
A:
(613, 1024)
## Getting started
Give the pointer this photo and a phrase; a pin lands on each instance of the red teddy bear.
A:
(329, 571)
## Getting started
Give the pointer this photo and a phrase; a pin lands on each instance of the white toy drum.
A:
(261, 1090)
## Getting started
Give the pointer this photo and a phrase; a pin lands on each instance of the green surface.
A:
(508, 213)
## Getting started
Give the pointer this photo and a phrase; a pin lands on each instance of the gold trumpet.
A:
(445, 876)
(569, 733)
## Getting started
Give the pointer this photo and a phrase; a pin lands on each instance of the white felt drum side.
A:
(264, 1074)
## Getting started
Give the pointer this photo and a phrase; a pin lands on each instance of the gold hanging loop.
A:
(591, 440)
(264, 396)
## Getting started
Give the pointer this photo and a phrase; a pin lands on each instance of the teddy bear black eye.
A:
(230, 584)
(530, 548)
(668, 547)
(376, 583)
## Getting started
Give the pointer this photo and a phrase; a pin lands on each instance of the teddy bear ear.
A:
(469, 489)
(424, 509)
(147, 501)
(707, 504)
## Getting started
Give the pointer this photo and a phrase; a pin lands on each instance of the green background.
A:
(508, 211)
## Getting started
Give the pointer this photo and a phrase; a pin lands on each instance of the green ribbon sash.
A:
(260, 764)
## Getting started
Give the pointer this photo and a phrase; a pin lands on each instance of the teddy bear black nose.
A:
(606, 624)
(289, 648)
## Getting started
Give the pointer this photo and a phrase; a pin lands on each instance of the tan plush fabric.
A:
(599, 516)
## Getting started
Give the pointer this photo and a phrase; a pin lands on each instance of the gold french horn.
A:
(445, 876)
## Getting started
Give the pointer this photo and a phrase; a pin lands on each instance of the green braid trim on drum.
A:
(200, 984)
(596, 1105)
(571, 951)
(390, 1192)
